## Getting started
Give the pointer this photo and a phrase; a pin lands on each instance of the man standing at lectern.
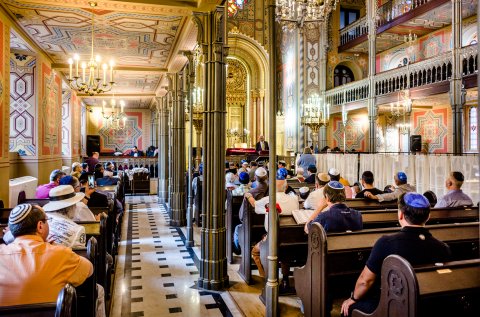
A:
(262, 145)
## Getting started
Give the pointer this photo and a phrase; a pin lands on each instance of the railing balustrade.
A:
(351, 92)
(395, 8)
(354, 30)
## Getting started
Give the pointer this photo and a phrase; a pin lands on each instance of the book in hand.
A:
(301, 216)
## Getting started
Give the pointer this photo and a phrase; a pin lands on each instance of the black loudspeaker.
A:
(93, 144)
(415, 143)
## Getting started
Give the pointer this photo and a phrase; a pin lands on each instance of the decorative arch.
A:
(253, 56)
(356, 70)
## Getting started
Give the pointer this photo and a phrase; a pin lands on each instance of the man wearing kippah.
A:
(455, 196)
(316, 198)
(339, 217)
(43, 190)
(414, 243)
(402, 187)
(31, 269)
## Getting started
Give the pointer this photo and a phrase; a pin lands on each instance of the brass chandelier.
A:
(93, 77)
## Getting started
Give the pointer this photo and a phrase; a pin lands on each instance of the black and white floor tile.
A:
(156, 274)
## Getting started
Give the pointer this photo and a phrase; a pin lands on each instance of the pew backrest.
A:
(65, 306)
(451, 289)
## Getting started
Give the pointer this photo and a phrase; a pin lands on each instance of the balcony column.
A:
(457, 97)
(323, 78)
(212, 37)
(163, 147)
(177, 204)
(371, 102)
(171, 100)
(154, 126)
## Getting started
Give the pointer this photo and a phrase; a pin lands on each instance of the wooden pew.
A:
(250, 232)
(343, 255)
(292, 240)
(34, 201)
(65, 306)
(370, 204)
(87, 292)
(233, 207)
(450, 290)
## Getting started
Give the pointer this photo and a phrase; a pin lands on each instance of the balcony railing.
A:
(351, 92)
(354, 30)
(395, 8)
(433, 70)
(386, 13)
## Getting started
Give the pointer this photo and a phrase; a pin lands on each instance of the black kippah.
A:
(458, 176)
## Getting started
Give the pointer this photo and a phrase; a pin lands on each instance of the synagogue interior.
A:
(144, 145)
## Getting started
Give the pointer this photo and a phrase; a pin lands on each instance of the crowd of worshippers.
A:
(413, 242)
(36, 259)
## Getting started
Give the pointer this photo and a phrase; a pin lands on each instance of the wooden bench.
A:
(87, 292)
(233, 207)
(34, 201)
(342, 257)
(450, 290)
(66, 306)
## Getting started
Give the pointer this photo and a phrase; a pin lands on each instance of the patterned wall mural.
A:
(356, 133)
(137, 131)
(250, 21)
(4, 86)
(23, 105)
(432, 125)
(66, 123)
(50, 114)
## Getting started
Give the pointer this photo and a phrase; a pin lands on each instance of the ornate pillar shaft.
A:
(371, 103)
(323, 137)
(163, 148)
(189, 84)
(456, 98)
(213, 262)
(177, 204)
(271, 287)
(171, 100)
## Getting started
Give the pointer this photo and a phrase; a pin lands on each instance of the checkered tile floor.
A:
(156, 274)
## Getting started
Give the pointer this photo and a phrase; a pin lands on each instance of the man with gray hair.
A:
(33, 270)
(43, 190)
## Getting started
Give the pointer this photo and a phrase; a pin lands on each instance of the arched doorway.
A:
(238, 134)
(342, 75)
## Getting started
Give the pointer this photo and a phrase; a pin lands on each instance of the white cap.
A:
(261, 172)
(333, 171)
(304, 190)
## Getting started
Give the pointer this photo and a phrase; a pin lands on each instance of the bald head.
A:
(281, 185)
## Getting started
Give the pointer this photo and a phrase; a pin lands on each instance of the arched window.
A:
(472, 124)
(342, 75)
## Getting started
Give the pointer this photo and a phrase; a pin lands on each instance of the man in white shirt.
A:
(287, 203)
(316, 198)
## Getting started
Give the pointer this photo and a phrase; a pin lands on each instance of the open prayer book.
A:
(301, 216)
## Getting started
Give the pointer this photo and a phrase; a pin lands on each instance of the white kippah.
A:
(19, 213)
(304, 190)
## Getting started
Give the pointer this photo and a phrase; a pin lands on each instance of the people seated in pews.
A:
(32, 269)
(335, 176)
(286, 202)
(43, 190)
(230, 181)
(258, 192)
(431, 197)
(338, 217)
(84, 168)
(261, 145)
(401, 187)
(300, 177)
(92, 161)
(316, 198)
(282, 174)
(455, 196)
(306, 159)
(367, 184)
(93, 197)
(243, 167)
(67, 201)
(101, 179)
(311, 172)
(414, 243)
(253, 168)
(244, 186)
(109, 170)
(76, 169)
(304, 192)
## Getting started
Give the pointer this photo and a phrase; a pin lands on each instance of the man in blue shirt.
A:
(339, 217)
(455, 196)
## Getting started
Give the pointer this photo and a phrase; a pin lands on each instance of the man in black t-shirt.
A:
(367, 184)
(414, 243)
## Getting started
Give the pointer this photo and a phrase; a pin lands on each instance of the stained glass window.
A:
(472, 120)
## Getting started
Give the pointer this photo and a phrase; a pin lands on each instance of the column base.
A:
(177, 222)
(214, 285)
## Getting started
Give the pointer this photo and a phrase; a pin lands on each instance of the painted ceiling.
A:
(142, 38)
(426, 23)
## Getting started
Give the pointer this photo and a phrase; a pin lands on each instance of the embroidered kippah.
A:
(19, 213)
(333, 171)
(416, 200)
(335, 185)
(282, 173)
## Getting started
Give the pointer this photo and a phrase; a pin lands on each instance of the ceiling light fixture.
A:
(95, 82)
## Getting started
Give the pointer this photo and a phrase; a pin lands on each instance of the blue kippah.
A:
(66, 180)
(200, 168)
(311, 167)
(282, 173)
(416, 200)
(335, 185)
(243, 178)
(402, 176)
